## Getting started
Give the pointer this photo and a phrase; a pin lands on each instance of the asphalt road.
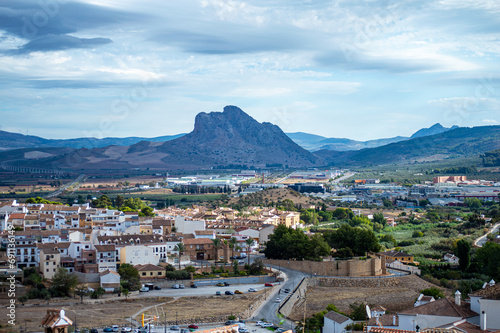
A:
(268, 311)
(482, 240)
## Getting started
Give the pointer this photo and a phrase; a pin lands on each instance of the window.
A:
(150, 273)
(143, 273)
(159, 273)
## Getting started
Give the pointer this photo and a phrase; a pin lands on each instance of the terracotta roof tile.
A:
(441, 307)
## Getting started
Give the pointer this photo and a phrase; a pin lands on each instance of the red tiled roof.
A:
(491, 292)
(197, 241)
(388, 330)
(441, 307)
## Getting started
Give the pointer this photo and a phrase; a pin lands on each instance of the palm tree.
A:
(249, 242)
(232, 244)
(181, 248)
(216, 242)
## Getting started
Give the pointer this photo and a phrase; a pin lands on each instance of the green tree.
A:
(359, 239)
(232, 244)
(379, 218)
(125, 293)
(463, 254)
(129, 276)
(434, 292)
(63, 282)
(119, 201)
(473, 203)
(249, 241)
(82, 290)
(181, 249)
(488, 257)
(288, 243)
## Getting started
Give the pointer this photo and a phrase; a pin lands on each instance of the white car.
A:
(259, 323)
(267, 325)
(252, 290)
(278, 300)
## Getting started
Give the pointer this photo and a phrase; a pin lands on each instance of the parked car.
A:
(229, 292)
(226, 284)
(268, 284)
(230, 322)
(107, 329)
(286, 290)
(238, 292)
(175, 328)
(115, 328)
(181, 286)
(157, 288)
(175, 286)
(125, 330)
(218, 293)
(267, 325)
(185, 330)
(252, 290)
(243, 330)
(193, 326)
(241, 262)
(144, 290)
(194, 286)
(277, 300)
(94, 330)
(259, 323)
(279, 330)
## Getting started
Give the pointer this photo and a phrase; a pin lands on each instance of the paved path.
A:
(480, 241)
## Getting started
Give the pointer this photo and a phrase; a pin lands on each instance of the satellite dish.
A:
(368, 312)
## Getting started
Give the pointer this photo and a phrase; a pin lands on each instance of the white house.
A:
(434, 314)
(138, 255)
(335, 322)
(105, 257)
(188, 226)
(451, 258)
(109, 280)
(486, 302)
(422, 299)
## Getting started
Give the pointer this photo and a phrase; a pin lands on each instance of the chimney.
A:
(393, 320)
(483, 321)
(457, 297)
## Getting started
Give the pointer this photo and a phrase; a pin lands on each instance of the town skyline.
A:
(337, 69)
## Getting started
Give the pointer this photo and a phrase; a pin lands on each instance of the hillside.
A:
(10, 141)
(219, 139)
(456, 143)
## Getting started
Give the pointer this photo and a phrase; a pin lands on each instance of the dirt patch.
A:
(187, 310)
(394, 294)
(101, 314)
(86, 315)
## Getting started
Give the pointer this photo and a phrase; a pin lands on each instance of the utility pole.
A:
(305, 305)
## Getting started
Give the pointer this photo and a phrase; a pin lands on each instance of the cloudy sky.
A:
(347, 68)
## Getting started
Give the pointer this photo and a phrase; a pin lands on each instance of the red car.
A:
(268, 284)
(193, 326)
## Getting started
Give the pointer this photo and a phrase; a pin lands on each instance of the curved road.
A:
(479, 242)
(268, 310)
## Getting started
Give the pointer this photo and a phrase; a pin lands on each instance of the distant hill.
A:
(219, 139)
(433, 130)
(314, 142)
(456, 143)
(306, 140)
(10, 140)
